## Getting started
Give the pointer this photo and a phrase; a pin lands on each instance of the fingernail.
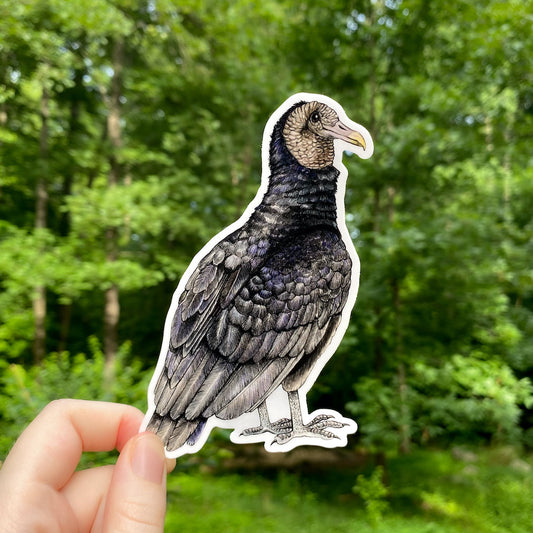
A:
(147, 459)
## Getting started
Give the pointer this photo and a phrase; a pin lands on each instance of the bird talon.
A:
(281, 427)
(325, 421)
(283, 423)
(282, 438)
(253, 431)
(320, 418)
(327, 424)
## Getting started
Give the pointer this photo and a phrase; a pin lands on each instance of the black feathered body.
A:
(259, 308)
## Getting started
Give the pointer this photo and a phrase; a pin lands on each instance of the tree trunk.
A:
(405, 421)
(378, 310)
(112, 300)
(65, 315)
(41, 205)
(377, 210)
(405, 410)
(111, 318)
(65, 308)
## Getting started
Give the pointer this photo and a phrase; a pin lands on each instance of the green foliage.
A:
(457, 491)
(480, 490)
(472, 394)
(465, 398)
(440, 215)
(25, 391)
(236, 503)
(439, 347)
(373, 493)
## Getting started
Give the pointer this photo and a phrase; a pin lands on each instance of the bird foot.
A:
(282, 426)
(317, 428)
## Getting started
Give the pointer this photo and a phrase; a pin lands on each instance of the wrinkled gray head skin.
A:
(310, 131)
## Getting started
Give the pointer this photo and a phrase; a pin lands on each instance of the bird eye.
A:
(315, 117)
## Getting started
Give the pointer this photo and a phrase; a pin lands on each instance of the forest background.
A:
(130, 134)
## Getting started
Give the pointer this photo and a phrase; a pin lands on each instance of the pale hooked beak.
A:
(344, 133)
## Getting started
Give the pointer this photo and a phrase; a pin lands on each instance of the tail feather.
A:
(191, 441)
(176, 433)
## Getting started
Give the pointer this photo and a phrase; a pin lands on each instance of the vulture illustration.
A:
(265, 303)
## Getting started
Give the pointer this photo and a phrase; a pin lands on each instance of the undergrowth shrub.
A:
(24, 391)
(373, 492)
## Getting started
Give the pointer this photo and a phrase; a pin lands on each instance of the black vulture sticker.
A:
(265, 303)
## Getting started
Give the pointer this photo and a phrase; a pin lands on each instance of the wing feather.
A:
(218, 376)
(247, 387)
(239, 332)
(190, 388)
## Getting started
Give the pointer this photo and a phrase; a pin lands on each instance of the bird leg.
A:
(266, 426)
(318, 427)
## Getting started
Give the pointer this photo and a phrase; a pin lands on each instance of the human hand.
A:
(41, 491)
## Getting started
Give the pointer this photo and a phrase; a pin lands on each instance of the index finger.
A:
(51, 446)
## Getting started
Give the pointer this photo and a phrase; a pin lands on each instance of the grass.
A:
(489, 491)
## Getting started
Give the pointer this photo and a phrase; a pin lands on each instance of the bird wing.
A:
(242, 325)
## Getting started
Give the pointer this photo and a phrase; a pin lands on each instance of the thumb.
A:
(136, 501)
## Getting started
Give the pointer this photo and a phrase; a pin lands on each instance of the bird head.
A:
(311, 129)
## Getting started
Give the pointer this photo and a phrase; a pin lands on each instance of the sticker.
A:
(265, 303)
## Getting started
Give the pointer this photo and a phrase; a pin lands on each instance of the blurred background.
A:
(130, 133)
